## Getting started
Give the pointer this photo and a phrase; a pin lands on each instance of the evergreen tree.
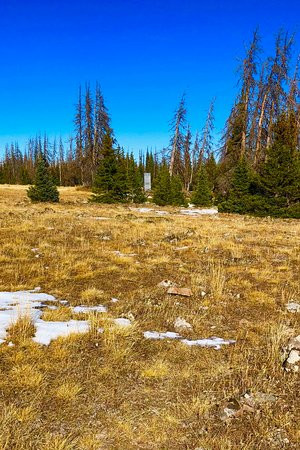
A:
(280, 174)
(211, 168)
(162, 190)
(110, 184)
(202, 195)
(44, 189)
(135, 182)
(243, 197)
(177, 197)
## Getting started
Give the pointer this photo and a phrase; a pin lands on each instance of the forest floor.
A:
(113, 387)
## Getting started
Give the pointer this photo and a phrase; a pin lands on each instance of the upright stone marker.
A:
(147, 181)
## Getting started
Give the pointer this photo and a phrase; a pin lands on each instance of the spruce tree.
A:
(177, 197)
(135, 182)
(162, 190)
(211, 168)
(110, 184)
(202, 195)
(244, 194)
(44, 190)
(280, 174)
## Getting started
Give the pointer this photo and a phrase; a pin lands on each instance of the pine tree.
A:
(211, 168)
(162, 190)
(202, 195)
(110, 184)
(135, 182)
(44, 189)
(177, 197)
(280, 174)
(177, 139)
(242, 198)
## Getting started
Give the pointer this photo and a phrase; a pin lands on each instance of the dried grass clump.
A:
(111, 388)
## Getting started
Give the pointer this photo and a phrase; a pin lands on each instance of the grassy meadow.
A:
(116, 389)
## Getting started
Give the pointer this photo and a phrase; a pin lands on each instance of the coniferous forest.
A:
(254, 168)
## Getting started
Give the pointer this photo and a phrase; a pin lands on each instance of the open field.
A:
(115, 389)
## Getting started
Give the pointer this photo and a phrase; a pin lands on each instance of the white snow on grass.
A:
(14, 305)
(214, 342)
(87, 309)
(122, 322)
(24, 300)
(198, 212)
(157, 335)
(47, 331)
(142, 210)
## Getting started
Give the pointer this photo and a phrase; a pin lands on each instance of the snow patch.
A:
(214, 342)
(14, 305)
(47, 331)
(157, 335)
(87, 309)
(198, 212)
(122, 322)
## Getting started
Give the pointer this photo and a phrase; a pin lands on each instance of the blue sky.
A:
(145, 54)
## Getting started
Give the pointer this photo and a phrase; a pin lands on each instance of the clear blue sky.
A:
(144, 53)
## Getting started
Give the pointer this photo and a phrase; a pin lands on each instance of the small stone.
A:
(203, 294)
(185, 292)
(244, 323)
(293, 307)
(166, 283)
(292, 351)
(181, 324)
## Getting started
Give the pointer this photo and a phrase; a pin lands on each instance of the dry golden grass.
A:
(113, 389)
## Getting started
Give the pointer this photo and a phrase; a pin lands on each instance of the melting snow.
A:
(27, 303)
(214, 342)
(157, 335)
(47, 331)
(121, 322)
(87, 309)
(198, 212)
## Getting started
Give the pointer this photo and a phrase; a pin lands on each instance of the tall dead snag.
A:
(194, 158)
(177, 140)
(206, 137)
(293, 99)
(249, 70)
(79, 123)
(88, 137)
(101, 124)
(272, 98)
(187, 159)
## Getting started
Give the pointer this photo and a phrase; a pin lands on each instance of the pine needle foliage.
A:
(44, 190)
(202, 195)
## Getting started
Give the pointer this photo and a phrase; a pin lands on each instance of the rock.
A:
(244, 323)
(203, 293)
(292, 355)
(166, 283)
(181, 324)
(293, 307)
(247, 403)
(105, 236)
(185, 292)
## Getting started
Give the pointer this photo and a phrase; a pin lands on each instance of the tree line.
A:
(255, 169)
